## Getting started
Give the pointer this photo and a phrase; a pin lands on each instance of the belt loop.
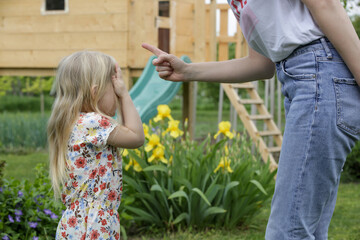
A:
(326, 48)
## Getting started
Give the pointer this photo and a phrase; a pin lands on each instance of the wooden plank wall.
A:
(29, 39)
(143, 21)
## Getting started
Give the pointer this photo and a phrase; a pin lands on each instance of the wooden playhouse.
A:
(36, 34)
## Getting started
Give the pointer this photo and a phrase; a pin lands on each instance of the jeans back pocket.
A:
(347, 104)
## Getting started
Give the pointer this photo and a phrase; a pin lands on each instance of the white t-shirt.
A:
(274, 28)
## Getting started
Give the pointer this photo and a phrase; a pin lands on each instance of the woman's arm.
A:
(336, 25)
(250, 68)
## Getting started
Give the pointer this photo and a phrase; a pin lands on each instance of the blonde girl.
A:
(85, 167)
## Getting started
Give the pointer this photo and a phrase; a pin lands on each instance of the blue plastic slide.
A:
(150, 91)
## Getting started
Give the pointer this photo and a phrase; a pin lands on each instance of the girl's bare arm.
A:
(130, 134)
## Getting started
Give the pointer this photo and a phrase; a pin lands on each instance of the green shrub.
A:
(28, 210)
(10, 103)
(23, 131)
(351, 171)
(177, 182)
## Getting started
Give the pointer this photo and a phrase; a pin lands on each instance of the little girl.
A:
(82, 143)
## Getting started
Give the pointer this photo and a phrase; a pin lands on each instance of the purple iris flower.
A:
(1, 189)
(20, 194)
(35, 238)
(17, 218)
(5, 238)
(47, 211)
(33, 224)
(18, 212)
(53, 216)
(11, 219)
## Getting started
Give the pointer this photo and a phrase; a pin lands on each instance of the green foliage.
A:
(184, 189)
(356, 24)
(351, 171)
(23, 130)
(28, 209)
(11, 103)
(5, 85)
(38, 85)
(24, 84)
(2, 167)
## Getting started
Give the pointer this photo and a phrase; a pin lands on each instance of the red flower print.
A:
(75, 184)
(72, 221)
(102, 170)
(63, 234)
(121, 188)
(72, 206)
(77, 203)
(117, 236)
(104, 222)
(94, 235)
(104, 122)
(110, 157)
(98, 156)
(96, 189)
(94, 141)
(109, 164)
(64, 226)
(103, 186)
(76, 148)
(93, 174)
(63, 196)
(71, 175)
(111, 212)
(86, 218)
(82, 145)
(103, 230)
(112, 195)
(83, 236)
(101, 213)
(80, 162)
(80, 119)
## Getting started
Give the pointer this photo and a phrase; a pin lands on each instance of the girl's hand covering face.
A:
(118, 82)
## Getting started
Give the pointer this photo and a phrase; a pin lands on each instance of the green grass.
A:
(22, 166)
(345, 224)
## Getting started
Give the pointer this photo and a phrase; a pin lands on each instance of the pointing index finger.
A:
(152, 49)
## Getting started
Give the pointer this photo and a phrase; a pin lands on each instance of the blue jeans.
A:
(322, 108)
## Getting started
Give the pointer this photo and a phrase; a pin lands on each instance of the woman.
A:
(316, 52)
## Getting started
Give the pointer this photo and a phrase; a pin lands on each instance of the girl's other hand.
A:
(118, 82)
(167, 65)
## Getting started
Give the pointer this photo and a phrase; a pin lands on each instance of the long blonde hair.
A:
(76, 75)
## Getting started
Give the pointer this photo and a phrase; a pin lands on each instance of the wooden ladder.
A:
(258, 137)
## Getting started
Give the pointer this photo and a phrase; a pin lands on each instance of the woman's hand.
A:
(167, 65)
(118, 82)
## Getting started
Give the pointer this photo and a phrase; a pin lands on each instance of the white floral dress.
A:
(93, 192)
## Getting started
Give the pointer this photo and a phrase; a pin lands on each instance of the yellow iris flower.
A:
(224, 164)
(224, 128)
(173, 128)
(146, 130)
(135, 164)
(158, 154)
(154, 141)
(163, 112)
(132, 161)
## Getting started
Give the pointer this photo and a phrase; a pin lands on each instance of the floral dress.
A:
(92, 193)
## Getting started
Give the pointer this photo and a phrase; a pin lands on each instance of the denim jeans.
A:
(322, 108)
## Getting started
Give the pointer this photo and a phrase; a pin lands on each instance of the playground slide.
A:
(150, 91)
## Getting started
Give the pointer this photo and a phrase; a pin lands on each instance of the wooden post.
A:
(190, 89)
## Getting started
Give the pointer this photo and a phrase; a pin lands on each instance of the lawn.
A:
(345, 224)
